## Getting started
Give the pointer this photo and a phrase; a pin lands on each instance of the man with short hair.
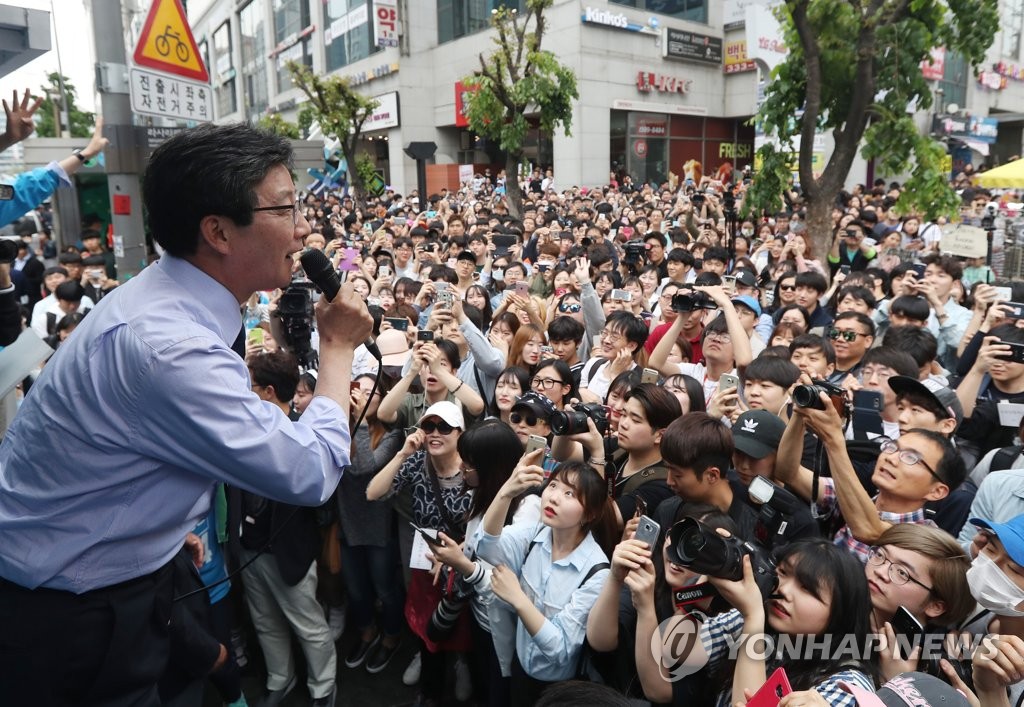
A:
(810, 286)
(813, 355)
(68, 297)
(622, 341)
(654, 243)
(851, 334)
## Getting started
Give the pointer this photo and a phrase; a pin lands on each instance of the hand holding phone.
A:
(774, 689)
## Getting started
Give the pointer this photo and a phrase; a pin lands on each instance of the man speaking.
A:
(114, 453)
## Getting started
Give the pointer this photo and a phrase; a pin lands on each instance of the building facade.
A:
(663, 84)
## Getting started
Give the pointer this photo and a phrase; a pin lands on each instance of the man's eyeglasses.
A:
(910, 457)
(607, 335)
(516, 417)
(295, 208)
(546, 383)
(442, 427)
(847, 336)
(569, 307)
(720, 337)
(897, 572)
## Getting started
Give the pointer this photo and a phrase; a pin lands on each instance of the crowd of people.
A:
(625, 421)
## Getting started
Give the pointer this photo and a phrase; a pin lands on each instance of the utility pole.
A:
(126, 156)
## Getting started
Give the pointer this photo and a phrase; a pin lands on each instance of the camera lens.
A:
(808, 396)
(691, 543)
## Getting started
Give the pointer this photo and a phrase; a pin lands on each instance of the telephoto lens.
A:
(701, 549)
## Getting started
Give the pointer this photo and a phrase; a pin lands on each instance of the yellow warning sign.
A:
(166, 43)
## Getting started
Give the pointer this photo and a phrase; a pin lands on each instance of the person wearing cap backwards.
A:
(922, 466)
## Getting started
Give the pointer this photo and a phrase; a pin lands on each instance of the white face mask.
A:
(992, 589)
(747, 231)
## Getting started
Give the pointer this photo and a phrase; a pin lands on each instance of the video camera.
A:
(689, 302)
(570, 422)
(702, 550)
(295, 310)
(635, 251)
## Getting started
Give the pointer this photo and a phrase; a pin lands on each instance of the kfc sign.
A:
(647, 81)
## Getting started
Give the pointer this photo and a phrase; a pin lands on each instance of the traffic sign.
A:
(166, 43)
(170, 96)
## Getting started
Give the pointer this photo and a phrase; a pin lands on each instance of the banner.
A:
(385, 22)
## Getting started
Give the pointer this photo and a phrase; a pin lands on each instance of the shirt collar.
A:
(218, 309)
(580, 558)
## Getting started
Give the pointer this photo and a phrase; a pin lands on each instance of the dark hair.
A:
(451, 352)
(911, 307)
(493, 449)
(781, 311)
(598, 509)
(716, 253)
(680, 255)
(698, 442)
(486, 311)
(566, 328)
(707, 279)
(564, 372)
(623, 383)
(862, 319)
(519, 374)
(814, 280)
(1008, 334)
(443, 273)
(917, 341)
(660, 406)
(68, 321)
(899, 361)
(951, 468)
(474, 315)
(694, 391)
(69, 291)
(186, 180)
(279, 369)
(779, 371)
(858, 293)
(580, 693)
(630, 326)
(814, 343)
(950, 265)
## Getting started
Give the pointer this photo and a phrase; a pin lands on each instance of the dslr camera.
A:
(691, 301)
(809, 396)
(295, 310)
(702, 550)
(570, 422)
(776, 508)
(635, 251)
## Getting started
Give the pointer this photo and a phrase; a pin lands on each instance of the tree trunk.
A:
(355, 180)
(819, 226)
(513, 194)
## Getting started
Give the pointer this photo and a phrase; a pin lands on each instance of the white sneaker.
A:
(463, 683)
(336, 622)
(411, 676)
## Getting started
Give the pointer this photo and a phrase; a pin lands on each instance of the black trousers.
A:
(107, 647)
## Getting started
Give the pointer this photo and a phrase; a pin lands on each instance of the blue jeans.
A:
(373, 573)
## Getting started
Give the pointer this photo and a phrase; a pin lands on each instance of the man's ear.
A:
(938, 492)
(214, 231)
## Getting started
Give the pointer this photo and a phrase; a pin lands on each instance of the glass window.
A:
(253, 58)
(290, 18)
(692, 10)
(349, 32)
(224, 71)
(459, 18)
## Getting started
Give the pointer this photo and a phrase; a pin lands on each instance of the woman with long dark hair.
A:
(508, 386)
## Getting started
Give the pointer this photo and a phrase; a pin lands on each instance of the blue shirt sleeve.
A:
(30, 189)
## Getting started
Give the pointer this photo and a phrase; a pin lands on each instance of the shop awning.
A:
(1009, 176)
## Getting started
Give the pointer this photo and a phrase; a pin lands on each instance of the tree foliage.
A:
(853, 68)
(340, 112)
(82, 122)
(518, 79)
(276, 123)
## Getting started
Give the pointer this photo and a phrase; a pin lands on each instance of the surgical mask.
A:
(747, 232)
(992, 589)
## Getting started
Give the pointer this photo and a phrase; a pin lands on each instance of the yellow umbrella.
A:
(1009, 176)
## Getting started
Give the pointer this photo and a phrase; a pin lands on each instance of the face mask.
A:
(992, 589)
(747, 232)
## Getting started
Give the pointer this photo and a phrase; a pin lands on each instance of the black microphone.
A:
(318, 268)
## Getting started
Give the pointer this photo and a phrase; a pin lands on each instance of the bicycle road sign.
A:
(166, 43)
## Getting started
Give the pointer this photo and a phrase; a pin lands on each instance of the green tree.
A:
(338, 110)
(82, 122)
(517, 79)
(275, 123)
(853, 68)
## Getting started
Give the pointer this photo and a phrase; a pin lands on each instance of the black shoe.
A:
(379, 656)
(275, 697)
(357, 655)
(326, 701)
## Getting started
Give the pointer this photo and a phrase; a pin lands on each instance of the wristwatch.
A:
(78, 153)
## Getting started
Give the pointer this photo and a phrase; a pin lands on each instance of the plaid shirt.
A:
(830, 504)
(713, 636)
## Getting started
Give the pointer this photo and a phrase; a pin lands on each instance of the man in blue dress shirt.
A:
(94, 506)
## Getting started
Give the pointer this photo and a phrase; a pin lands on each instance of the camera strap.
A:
(684, 598)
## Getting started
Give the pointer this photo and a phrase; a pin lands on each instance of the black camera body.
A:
(635, 251)
(295, 310)
(691, 301)
(570, 422)
(701, 549)
(809, 396)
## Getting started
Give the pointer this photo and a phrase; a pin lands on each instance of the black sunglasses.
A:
(515, 418)
(432, 427)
